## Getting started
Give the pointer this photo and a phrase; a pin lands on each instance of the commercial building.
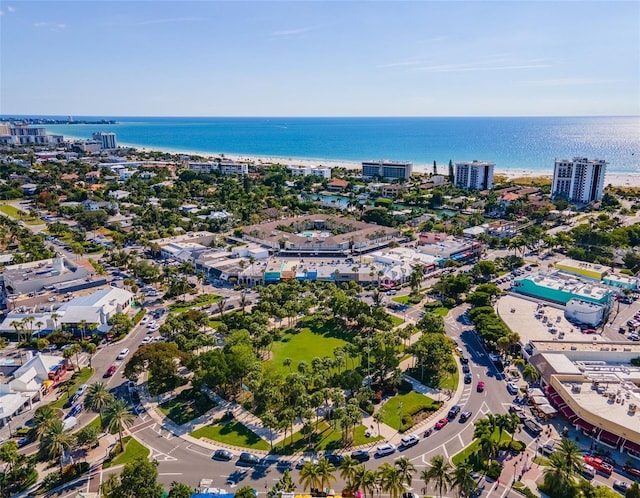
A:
(622, 282)
(444, 246)
(595, 388)
(320, 234)
(23, 134)
(36, 275)
(107, 140)
(390, 170)
(319, 171)
(578, 180)
(582, 269)
(474, 175)
(560, 288)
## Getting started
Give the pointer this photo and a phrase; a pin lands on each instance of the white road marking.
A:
(169, 473)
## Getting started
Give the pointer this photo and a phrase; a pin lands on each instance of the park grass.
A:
(412, 403)
(13, 212)
(474, 448)
(75, 382)
(401, 299)
(396, 320)
(305, 344)
(324, 439)
(132, 450)
(214, 324)
(442, 311)
(202, 300)
(231, 432)
(186, 406)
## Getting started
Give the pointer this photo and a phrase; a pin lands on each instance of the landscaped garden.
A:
(405, 410)
(326, 438)
(198, 301)
(72, 385)
(229, 431)
(186, 406)
(132, 450)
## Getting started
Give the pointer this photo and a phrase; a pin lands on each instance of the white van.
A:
(123, 354)
(69, 423)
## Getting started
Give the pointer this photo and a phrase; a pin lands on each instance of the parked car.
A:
(466, 369)
(480, 386)
(409, 440)
(110, 371)
(335, 459)
(77, 408)
(441, 423)
(385, 449)
(621, 486)
(468, 378)
(360, 455)
(513, 388)
(284, 465)
(224, 455)
(465, 415)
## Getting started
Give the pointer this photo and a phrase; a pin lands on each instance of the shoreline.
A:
(614, 178)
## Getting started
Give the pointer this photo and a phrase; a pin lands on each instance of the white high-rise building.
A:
(390, 170)
(578, 180)
(474, 175)
(107, 139)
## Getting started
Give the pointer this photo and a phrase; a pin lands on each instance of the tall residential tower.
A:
(578, 180)
(474, 175)
(390, 170)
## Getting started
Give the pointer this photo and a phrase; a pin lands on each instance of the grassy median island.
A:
(132, 450)
(71, 386)
(186, 406)
(325, 438)
(314, 338)
(411, 403)
(198, 301)
(229, 431)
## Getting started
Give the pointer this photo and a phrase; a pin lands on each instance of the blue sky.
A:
(320, 58)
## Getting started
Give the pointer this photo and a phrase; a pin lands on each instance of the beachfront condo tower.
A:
(389, 170)
(474, 175)
(578, 180)
(106, 139)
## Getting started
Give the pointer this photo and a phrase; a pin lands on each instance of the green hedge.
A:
(58, 478)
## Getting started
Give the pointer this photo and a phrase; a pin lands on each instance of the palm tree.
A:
(571, 455)
(487, 446)
(98, 398)
(56, 440)
(439, 474)
(462, 480)
(555, 475)
(391, 480)
(309, 476)
(406, 469)
(42, 420)
(118, 418)
(348, 470)
(325, 473)
(530, 374)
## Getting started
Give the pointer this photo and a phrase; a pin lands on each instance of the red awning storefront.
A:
(556, 399)
(568, 413)
(586, 427)
(631, 447)
(609, 438)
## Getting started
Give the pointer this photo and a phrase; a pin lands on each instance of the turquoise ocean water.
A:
(530, 143)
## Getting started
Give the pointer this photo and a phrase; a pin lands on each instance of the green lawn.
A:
(305, 344)
(232, 432)
(189, 404)
(132, 450)
(401, 299)
(412, 402)
(75, 382)
(13, 211)
(473, 448)
(442, 311)
(396, 320)
(214, 324)
(201, 300)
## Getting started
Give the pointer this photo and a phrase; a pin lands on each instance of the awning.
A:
(556, 399)
(539, 400)
(568, 413)
(588, 428)
(547, 409)
(631, 446)
(535, 392)
(609, 438)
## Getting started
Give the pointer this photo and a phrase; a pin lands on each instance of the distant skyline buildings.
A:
(578, 180)
(314, 58)
(474, 175)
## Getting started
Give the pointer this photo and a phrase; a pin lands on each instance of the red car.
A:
(480, 387)
(589, 331)
(441, 423)
(110, 371)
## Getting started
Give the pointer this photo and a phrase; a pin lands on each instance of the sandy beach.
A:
(615, 179)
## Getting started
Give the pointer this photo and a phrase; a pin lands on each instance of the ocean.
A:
(522, 143)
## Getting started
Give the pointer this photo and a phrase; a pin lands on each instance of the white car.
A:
(409, 440)
(144, 319)
(385, 449)
(146, 340)
(153, 328)
(151, 323)
(123, 354)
